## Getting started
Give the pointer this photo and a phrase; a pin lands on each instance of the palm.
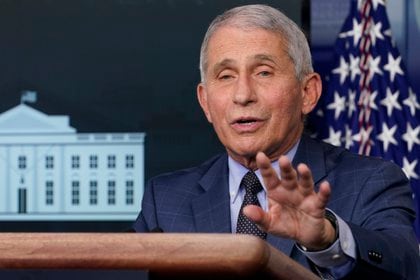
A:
(298, 222)
(295, 210)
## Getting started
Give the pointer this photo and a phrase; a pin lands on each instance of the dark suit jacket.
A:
(373, 196)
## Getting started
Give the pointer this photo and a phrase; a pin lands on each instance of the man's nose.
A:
(244, 92)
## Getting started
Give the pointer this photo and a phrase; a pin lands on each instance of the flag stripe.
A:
(385, 119)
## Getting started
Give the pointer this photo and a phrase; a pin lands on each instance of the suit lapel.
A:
(312, 154)
(211, 209)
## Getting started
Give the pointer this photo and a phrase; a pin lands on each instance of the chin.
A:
(244, 152)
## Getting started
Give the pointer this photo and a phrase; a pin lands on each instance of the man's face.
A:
(251, 94)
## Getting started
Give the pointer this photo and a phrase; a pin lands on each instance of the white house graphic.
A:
(48, 171)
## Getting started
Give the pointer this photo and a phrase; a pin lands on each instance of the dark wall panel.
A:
(116, 66)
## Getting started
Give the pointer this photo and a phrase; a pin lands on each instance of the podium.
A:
(163, 255)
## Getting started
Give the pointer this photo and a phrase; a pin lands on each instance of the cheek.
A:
(216, 110)
(217, 102)
(286, 110)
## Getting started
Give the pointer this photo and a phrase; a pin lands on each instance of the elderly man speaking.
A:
(340, 214)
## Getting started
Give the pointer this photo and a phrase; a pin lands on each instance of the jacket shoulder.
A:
(192, 174)
(338, 156)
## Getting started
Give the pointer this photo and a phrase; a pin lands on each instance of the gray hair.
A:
(267, 18)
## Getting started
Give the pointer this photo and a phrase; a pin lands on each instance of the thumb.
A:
(257, 215)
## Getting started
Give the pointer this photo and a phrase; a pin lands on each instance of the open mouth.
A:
(247, 124)
(246, 121)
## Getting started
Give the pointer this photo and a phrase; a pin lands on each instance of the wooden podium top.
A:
(160, 253)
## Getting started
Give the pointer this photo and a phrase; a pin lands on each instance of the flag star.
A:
(354, 66)
(356, 32)
(342, 70)
(411, 102)
(391, 101)
(348, 33)
(347, 46)
(375, 32)
(315, 134)
(393, 66)
(334, 137)
(351, 103)
(360, 4)
(320, 113)
(387, 136)
(338, 105)
(411, 136)
(374, 67)
(348, 137)
(369, 100)
(363, 135)
(409, 168)
(389, 34)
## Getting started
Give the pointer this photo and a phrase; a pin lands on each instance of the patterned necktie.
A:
(252, 186)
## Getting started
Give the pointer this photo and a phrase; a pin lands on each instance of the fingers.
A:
(271, 179)
(258, 216)
(323, 194)
(292, 199)
(305, 179)
(288, 173)
(300, 178)
(290, 178)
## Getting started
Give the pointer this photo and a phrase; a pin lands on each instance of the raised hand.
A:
(295, 210)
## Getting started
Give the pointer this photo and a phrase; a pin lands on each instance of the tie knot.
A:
(251, 183)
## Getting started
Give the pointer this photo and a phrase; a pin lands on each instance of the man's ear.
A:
(202, 99)
(311, 92)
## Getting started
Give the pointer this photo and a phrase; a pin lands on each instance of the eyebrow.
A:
(265, 57)
(222, 64)
(227, 62)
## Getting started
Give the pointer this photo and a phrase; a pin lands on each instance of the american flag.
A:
(369, 106)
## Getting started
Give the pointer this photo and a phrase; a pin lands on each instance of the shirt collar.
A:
(237, 171)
